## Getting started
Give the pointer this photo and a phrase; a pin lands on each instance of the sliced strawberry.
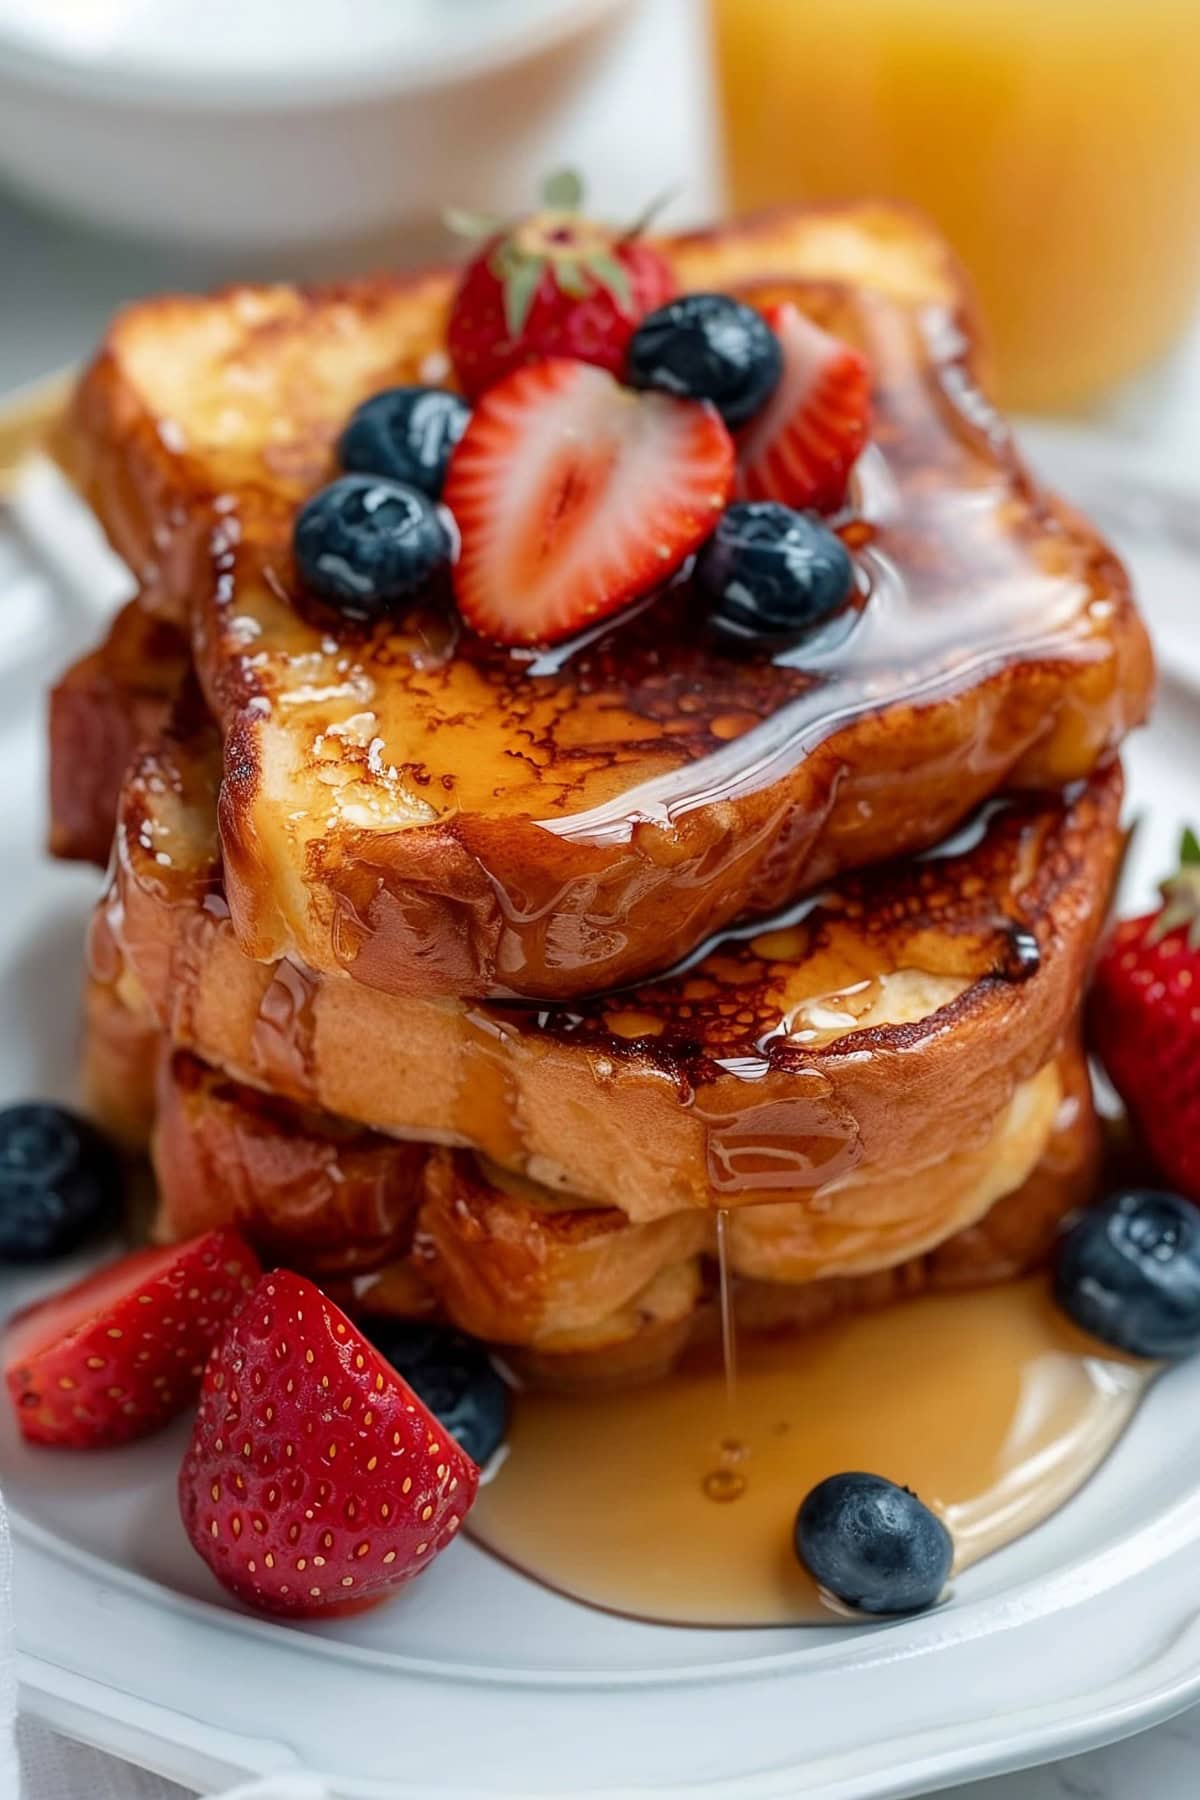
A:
(316, 1481)
(801, 448)
(574, 495)
(120, 1353)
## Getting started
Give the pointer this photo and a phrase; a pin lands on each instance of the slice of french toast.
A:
(509, 1253)
(830, 1056)
(573, 1293)
(433, 814)
(101, 709)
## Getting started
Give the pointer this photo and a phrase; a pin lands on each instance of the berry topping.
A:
(555, 284)
(454, 1377)
(315, 1481)
(873, 1545)
(803, 445)
(772, 575)
(405, 434)
(368, 546)
(708, 347)
(1145, 1025)
(1129, 1272)
(120, 1353)
(60, 1182)
(573, 496)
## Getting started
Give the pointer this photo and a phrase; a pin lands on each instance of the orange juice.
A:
(1056, 142)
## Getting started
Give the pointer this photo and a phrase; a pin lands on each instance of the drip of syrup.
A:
(727, 1479)
(728, 1327)
(990, 1405)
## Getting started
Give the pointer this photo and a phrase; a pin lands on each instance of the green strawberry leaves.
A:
(520, 276)
(1181, 896)
(467, 224)
(578, 257)
(607, 273)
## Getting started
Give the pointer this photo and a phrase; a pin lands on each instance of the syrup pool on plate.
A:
(672, 1503)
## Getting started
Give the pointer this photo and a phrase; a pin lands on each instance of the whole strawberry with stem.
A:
(1144, 1013)
(555, 284)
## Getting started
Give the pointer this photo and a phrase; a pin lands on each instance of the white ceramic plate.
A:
(478, 1683)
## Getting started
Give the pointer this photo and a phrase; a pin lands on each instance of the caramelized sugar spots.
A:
(890, 944)
(990, 1405)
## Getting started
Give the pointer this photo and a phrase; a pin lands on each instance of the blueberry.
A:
(406, 434)
(367, 545)
(873, 1544)
(772, 575)
(708, 347)
(1129, 1272)
(60, 1182)
(453, 1376)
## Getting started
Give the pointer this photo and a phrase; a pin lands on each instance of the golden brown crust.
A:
(121, 1050)
(431, 817)
(101, 709)
(1015, 1237)
(953, 980)
(580, 1293)
(308, 1190)
(509, 1265)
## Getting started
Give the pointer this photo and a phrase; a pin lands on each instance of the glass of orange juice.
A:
(1056, 142)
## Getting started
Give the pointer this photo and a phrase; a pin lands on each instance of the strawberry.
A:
(802, 446)
(1144, 1013)
(120, 1353)
(574, 495)
(554, 284)
(315, 1481)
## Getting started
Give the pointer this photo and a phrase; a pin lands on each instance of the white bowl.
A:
(269, 123)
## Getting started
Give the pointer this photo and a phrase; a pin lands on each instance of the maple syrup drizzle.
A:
(990, 1404)
(728, 1328)
(727, 1480)
(282, 1040)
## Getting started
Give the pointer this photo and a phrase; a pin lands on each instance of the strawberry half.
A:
(1144, 1016)
(120, 1353)
(574, 495)
(315, 1481)
(801, 448)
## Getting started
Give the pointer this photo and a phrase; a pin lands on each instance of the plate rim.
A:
(933, 1759)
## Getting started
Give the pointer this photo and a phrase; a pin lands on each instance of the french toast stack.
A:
(496, 986)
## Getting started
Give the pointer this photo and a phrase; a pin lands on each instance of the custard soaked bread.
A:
(435, 815)
(853, 1043)
(577, 1292)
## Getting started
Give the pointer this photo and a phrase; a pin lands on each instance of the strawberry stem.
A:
(563, 191)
